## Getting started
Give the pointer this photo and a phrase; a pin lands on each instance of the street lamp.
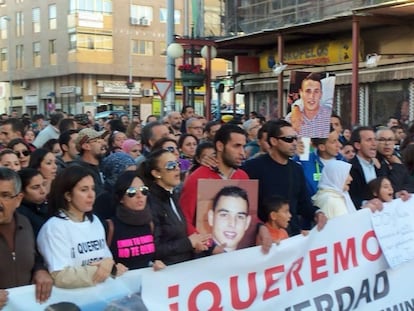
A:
(9, 65)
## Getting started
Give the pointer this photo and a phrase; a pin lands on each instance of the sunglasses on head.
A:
(171, 149)
(23, 153)
(288, 139)
(132, 191)
(172, 165)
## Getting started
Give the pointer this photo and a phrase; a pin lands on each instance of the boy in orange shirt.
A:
(278, 217)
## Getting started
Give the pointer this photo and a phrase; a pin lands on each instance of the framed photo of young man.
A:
(310, 101)
(228, 210)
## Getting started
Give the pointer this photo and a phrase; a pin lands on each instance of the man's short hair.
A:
(38, 116)
(313, 76)
(223, 135)
(184, 110)
(190, 121)
(16, 125)
(147, 133)
(210, 124)
(64, 137)
(356, 134)
(274, 128)
(10, 175)
(273, 204)
(231, 191)
(55, 118)
(66, 124)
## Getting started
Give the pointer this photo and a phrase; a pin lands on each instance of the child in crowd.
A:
(278, 217)
(382, 189)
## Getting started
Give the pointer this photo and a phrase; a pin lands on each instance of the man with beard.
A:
(91, 147)
(279, 175)
(229, 142)
(174, 120)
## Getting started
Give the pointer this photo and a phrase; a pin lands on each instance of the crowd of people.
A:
(83, 200)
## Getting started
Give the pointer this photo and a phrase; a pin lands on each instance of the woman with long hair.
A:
(133, 130)
(72, 241)
(44, 161)
(161, 172)
(132, 222)
(22, 149)
(34, 205)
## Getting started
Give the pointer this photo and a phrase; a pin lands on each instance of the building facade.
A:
(68, 55)
(329, 36)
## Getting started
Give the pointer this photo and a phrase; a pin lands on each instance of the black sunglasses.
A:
(132, 191)
(171, 149)
(172, 165)
(25, 153)
(288, 139)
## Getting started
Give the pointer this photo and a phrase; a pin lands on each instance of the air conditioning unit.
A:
(148, 92)
(24, 84)
(134, 21)
(143, 21)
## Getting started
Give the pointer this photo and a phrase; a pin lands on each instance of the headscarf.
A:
(129, 144)
(334, 175)
(113, 165)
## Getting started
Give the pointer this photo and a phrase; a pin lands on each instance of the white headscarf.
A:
(334, 175)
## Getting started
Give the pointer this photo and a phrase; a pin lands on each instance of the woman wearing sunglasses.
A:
(130, 232)
(161, 172)
(22, 149)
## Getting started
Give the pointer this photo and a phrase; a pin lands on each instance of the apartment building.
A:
(68, 55)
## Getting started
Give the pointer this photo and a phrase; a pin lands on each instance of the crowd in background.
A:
(82, 200)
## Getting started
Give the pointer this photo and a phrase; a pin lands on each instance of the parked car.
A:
(105, 114)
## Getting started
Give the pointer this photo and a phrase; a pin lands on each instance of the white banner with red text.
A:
(338, 268)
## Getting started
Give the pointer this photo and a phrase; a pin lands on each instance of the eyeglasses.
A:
(171, 149)
(172, 165)
(288, 139)
(7, 196)
(132, 191)
(23, 153)
(383, 140)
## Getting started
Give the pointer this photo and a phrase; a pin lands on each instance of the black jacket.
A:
(172, 244)
(359, 190)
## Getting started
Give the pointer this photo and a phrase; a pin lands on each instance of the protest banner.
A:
(339, 268)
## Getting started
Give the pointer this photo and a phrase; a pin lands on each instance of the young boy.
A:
(278, 217)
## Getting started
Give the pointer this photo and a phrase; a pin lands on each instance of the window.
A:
(72, 41)
(19, 24)
(142, 47)
(3, 59)
(52, 16)
(36, 20)
(97, 6)
(19, 56)
(3, 27)
(140, 12)
(163, 16)
(94, 42)
(36, 54)
(52, 52)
